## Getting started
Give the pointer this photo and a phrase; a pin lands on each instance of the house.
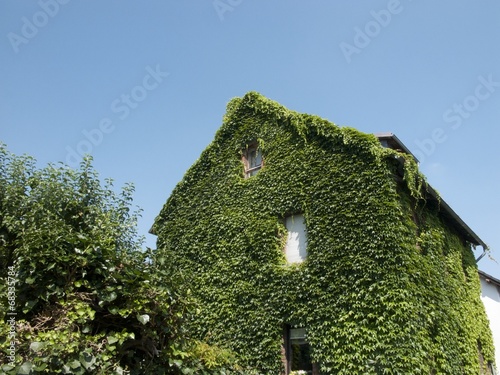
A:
(319, 248)
(490, 295)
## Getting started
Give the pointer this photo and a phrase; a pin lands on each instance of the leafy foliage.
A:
(389, 286)
(87, 298)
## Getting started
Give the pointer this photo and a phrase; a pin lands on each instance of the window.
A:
(297, 352)
(296, 241)
(300, 357)
(252, 159)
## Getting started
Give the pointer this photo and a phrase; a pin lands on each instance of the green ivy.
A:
(388, 287)
(84, 298)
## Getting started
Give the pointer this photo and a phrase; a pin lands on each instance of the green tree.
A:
(78, 295)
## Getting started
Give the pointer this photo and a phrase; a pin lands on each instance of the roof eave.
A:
(489, 278)
(471, 236)
(397, 141)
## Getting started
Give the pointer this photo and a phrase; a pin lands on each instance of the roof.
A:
(489, 278)
(391, 141)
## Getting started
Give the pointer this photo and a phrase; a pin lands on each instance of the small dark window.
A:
(297, 352)
(252, 159)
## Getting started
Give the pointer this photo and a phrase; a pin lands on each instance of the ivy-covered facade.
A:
(388, 283)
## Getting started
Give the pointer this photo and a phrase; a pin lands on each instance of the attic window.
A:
(252, 159)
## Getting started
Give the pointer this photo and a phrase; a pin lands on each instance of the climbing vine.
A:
(388, 286)
(78, 295)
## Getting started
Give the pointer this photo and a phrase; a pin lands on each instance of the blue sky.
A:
(143, 86)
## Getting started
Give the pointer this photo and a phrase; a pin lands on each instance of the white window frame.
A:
(296, 241)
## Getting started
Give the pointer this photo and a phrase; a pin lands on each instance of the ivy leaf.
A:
(111, 297)
(87, 360)
(37, 346)
(143, 318)
(74, 364)
(29, 305)
(7, 368)
(112, 339)
(25, 368)
(113, 310)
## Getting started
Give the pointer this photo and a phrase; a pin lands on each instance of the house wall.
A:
(490, 295)
(386, 280)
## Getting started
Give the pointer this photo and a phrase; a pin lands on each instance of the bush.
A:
(86, 298)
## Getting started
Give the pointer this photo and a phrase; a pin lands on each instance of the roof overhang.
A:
(489, 279)
(391, 141)
(471, 236)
